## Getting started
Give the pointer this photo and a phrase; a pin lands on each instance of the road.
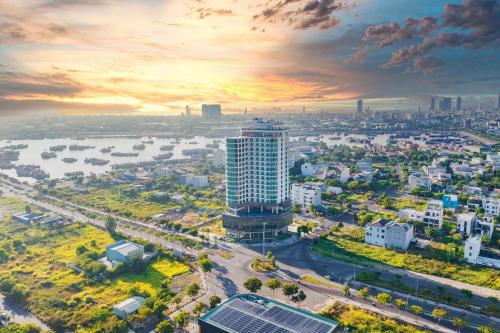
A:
(21, 316)
(294, 260)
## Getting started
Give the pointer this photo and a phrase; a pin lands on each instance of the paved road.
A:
(21, 316)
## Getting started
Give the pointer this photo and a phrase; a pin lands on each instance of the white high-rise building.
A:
(257, 182)
(219, 157)
(306, 195)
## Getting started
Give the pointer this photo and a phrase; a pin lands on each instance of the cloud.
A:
(477, 22)
(26, 85)
(358, 56)
(301, 14)
(206, 12)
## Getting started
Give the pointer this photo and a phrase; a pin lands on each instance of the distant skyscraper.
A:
(257, 182)
(211, 111)
(360, 106)
(498, 101)
(246, 111)
(445, 104)
(459, 103)
(188, 111)
(433, 103)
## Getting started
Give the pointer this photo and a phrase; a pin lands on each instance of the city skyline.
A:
(86, 57)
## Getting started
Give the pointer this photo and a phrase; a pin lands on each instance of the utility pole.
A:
(264, 240)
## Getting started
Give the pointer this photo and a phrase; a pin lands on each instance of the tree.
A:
(346, 289)
(289, 289)
(253, 284)
(485, 329)
(205, 264)
(199, 308)
(192, 289)
(439, 314)
(27, 209)
(416, 309)
(4, 256)
(400, 303)
(365, 293)
(182, 319)
(459, 323)
(383, 298)
(273, 284)
(299, 297)
(110, 224)
(214, 300)
(177, 300)
(165, 326)
(430, 232)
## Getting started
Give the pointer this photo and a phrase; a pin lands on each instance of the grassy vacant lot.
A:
(113, 200)
(360, 321)
(56, 294)
(418, 204)
(348, 245)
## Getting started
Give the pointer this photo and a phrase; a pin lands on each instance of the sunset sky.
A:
(156, 56)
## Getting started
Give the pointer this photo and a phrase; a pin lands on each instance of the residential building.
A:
(432, 216)
(472, 253)
(466, 223)
(364, 165)
(399, 235)
(389, 234)
(473, 203)
(195, 181)
(254, 313)
(470, 224)
(450, 201)
(308, 169)
(306, 195)
(417, 179)
(472, 248)
(128, 307)
(211, 112)
(219, 157)
(491, 206)
(163, 172)
(125, 252)
(257, 182)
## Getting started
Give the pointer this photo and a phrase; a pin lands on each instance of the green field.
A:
(55, 293)
(349, 246)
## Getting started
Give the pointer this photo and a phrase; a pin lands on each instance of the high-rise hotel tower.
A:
(257, 183)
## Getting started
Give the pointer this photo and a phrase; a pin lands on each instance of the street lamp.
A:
(264, 240)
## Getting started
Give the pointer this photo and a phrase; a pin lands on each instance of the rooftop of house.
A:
(124, 247)
(130, 305)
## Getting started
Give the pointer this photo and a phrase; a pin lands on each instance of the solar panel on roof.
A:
(254, 316)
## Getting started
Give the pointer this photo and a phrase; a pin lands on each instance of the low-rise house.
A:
(419, 180)
(450, 201)
(26, 217)
(472, 253)
(432, 216)
(491, 205)
(334, 190)
(306, 195)
(128, 307)
(195, 181)
(390, 234)
(125, 252)
(163, 172)
(308, 169)
(470, 224)
(473, 203)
